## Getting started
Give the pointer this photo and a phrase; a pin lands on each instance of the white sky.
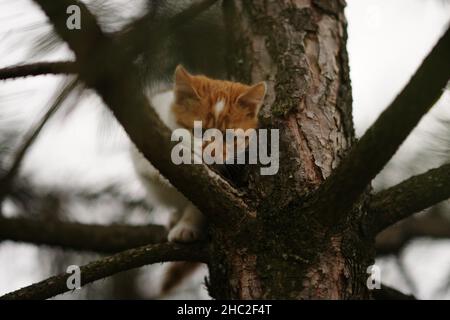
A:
(387, 42)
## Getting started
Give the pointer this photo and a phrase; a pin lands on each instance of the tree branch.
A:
(70, 235)
(395, 238)
(104, 67)
(111, 265)
(38, 68)
(366, 159)
(389, 293)
(410, 196)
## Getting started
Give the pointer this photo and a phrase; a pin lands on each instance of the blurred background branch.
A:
(36, 69)
(77, 236)
(429, 225)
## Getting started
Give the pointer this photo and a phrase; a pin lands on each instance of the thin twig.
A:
(36, 69)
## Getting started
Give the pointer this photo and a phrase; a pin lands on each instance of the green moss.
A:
(280, 109)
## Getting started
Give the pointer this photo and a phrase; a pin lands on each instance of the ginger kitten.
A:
(218, 104)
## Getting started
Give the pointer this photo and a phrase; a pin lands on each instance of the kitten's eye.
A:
(189, 102)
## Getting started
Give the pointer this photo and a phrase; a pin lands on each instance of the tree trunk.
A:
(281, 250)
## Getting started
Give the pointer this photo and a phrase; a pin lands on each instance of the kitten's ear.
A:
(183, 84)
(253, 98)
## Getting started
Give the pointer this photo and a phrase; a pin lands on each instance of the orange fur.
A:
(196, 97)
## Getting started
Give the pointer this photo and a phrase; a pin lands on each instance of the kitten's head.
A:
(218, 104)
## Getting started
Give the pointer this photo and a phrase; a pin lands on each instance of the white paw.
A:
(185, 232)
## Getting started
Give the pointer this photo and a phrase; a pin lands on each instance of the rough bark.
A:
(299, 48)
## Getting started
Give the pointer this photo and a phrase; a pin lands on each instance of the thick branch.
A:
(410, 196)
(77, 236)
(383, 138)
(36, 69)
(106, 68)
(395, 238)
(108, 266)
